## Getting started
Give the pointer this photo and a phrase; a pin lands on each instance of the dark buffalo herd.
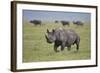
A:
(36, 22)
(63, 38)
(65, 23)
(56, 21)
(78, 23)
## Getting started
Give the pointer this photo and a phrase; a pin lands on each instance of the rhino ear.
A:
(47, 31)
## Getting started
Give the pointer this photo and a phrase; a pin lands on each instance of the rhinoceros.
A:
(62, 37)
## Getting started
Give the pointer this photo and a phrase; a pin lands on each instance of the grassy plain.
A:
(36, 49)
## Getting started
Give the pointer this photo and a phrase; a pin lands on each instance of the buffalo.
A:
(65, 23)
(78, 23)
(63, 38)
(56, 21)
(36, 22)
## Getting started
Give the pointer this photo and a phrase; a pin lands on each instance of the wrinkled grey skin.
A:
(63, 38)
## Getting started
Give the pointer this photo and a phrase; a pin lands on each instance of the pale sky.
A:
(53, 15)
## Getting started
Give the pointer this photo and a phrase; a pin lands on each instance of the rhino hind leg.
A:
(55, 48)
(69, 47)
(77, 43)
(62, 48)
(77, 47)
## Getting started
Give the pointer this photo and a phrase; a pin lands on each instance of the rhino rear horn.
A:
(47, 31)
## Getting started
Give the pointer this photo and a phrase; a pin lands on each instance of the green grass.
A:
(36, 49)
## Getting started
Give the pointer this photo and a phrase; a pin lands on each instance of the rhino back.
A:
(72, 36)
(61, 35)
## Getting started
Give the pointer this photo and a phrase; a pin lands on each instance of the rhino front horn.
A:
(47, 31)
(46, 37)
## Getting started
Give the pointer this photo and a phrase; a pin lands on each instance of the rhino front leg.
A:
(55, 48)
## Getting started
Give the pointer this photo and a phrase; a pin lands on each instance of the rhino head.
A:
(50, 37)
